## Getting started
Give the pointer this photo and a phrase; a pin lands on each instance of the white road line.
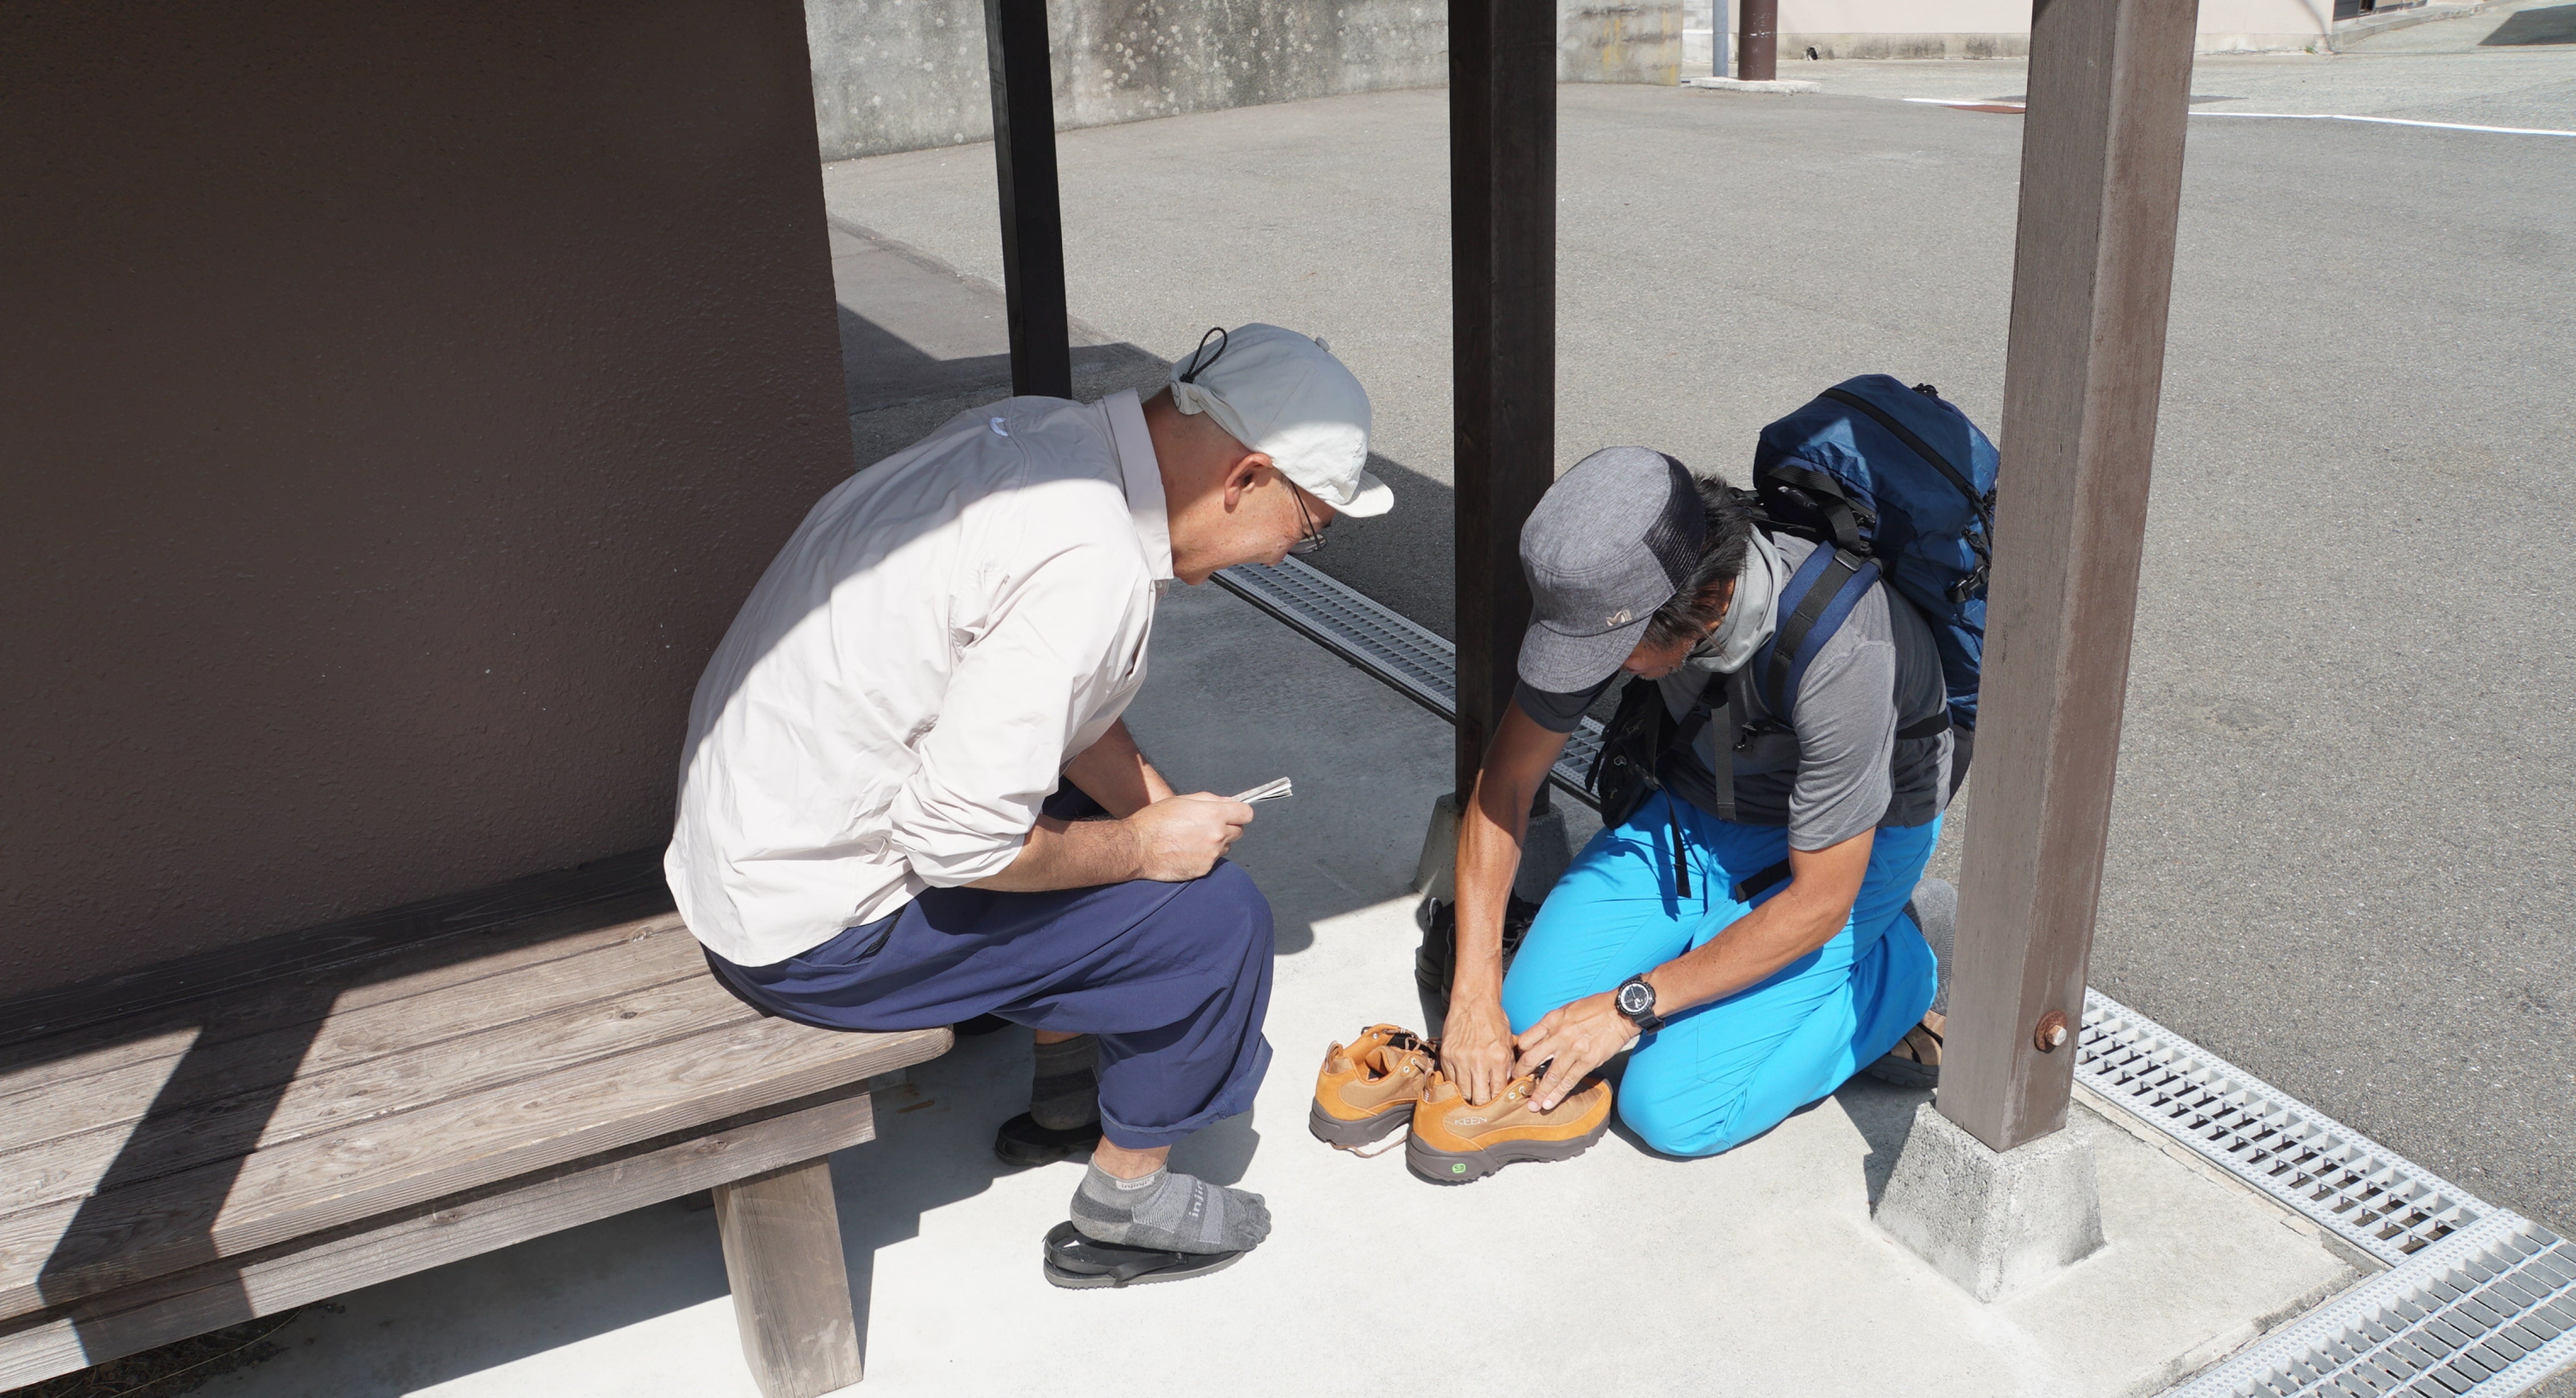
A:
(2294, 116)
(2392, 121)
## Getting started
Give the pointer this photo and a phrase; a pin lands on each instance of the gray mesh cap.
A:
(1610, 542)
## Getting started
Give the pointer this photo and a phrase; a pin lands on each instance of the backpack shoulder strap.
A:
(1813, 606)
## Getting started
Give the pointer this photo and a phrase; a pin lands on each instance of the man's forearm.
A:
(1815, 906)
(1070, 854)
(1749, 951)
(1114, 773)
(1490, 831)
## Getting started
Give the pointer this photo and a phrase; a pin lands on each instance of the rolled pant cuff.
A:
(1234, 1101)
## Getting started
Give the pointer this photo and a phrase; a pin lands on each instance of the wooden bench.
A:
(232, 1135)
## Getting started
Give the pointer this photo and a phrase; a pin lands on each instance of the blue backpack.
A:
(1888, 480)
(1885, 479)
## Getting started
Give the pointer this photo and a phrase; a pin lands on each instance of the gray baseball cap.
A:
(1610, 542)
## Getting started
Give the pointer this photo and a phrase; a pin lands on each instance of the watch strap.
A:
(1646, 1023)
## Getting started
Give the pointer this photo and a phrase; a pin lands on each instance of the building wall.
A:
(1999, 28)
(895, 75)
(395, 404)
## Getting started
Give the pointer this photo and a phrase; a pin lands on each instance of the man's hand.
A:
(1180, 838)
(1573, 1040)
(1476, 1047)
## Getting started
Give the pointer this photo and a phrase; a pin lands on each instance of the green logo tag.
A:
(1458, 1169)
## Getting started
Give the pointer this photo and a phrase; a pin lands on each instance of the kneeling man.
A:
(1747, 923)
(871, 830)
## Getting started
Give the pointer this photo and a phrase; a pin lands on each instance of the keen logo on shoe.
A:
(1453, 1142)
(1366, 1090)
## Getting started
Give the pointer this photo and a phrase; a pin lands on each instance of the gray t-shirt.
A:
(1840, 768)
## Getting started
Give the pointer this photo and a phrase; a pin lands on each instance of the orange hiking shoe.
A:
(1367, 1090)
(1454, 1142)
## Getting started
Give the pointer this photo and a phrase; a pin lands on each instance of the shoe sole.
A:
(1368, 1130)
(1089, 1281)
(1076, 1263)
(1467, 1167)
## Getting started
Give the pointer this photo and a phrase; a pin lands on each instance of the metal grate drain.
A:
(2372, 1197)
(2477, 1300)
(2490, 1309)
(1412, 661)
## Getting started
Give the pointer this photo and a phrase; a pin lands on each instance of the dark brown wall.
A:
(395, 403)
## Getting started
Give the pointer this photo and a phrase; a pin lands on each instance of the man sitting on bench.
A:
(871, 830)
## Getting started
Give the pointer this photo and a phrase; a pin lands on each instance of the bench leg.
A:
(791, 1288)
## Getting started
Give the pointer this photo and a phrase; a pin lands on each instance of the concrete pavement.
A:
(2341, 852)
(1759, 1273)
(2512, 65)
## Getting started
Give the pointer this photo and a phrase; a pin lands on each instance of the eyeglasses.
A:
(1313, 537)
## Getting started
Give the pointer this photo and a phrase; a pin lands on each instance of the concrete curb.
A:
(1740, 85)
(2352, 31)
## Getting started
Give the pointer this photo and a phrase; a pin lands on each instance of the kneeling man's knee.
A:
(1671, 1126)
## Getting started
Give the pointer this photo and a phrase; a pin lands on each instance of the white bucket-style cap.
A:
(1285, 395)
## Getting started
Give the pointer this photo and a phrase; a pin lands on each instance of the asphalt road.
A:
(2342, 845)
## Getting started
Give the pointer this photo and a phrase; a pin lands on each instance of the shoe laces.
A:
(1526, 1086)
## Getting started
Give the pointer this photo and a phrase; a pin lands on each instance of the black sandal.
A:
(1904, 1066)
(1023, 1142)
(1078, 1263)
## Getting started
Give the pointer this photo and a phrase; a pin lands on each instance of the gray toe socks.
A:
(1066, 1092)
(1936, 910)
(1179, 1213)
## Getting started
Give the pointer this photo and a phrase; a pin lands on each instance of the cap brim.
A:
(1556, 663)
(1372, 498)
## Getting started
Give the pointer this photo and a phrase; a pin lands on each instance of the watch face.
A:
(1636, 997)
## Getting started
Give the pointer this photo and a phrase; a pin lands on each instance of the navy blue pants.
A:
(1173, 977)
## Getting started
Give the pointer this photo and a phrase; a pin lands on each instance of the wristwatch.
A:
(1636, 999)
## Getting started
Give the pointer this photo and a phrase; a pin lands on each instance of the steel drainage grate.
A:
(2373, 1198)
(2477, 1300)
(1412, 661)
(2490, 1309)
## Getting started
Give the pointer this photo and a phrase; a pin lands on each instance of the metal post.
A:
(2101, 180)
(1015, 40)
(1757, 40)
(1502, 242)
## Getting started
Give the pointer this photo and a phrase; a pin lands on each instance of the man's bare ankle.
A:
(1125, 1164)
(1055, 1036)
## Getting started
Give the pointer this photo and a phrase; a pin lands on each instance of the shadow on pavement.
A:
(2554, 25)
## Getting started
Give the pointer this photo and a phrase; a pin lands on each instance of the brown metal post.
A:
(2101, 181)
(1015, 41)
(1502, 242)
(1757, 40)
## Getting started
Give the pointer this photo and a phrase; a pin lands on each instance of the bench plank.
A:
(384, 976)
(373, 1089)
(59, 1252)
(450, 1230)
(618, 889)
(122, 1094)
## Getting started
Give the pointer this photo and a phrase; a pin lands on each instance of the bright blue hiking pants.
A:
(1722, 1073)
